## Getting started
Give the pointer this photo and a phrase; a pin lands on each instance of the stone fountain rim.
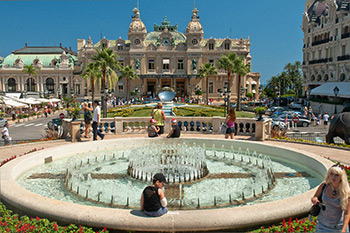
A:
(122, 219)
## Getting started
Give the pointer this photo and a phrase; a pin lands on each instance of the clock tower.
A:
(194, 31)
(137, 31)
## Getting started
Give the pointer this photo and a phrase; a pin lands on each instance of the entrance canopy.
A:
(327, 89)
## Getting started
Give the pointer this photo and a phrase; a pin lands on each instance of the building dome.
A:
(317, 9)
(194, 25)
(137, 25)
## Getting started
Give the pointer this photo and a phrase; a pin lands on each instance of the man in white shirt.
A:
(96, 121)
(6, 135)
(325, 120)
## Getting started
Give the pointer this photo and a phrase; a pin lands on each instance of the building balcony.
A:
(345, 35)
(344, 58)
(318, 61)
(320, 42)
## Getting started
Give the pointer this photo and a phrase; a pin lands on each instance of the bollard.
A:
(243, 196)
(230, 198)
(214, 201)
(78, 190)
(112, 200)
(87, 194)
(254, 193)
(198, 206)
(127, 202)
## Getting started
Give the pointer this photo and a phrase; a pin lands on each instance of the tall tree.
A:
(128, 73)
(205, 71)
(240, 69)
(30, 70)
(92, 73)
(227, 62)
(106, 60)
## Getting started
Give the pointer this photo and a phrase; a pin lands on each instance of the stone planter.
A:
(25, 119)
(30, 118)
(20, 120)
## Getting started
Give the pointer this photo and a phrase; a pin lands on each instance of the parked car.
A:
(3, 122)
(303, 121)
(272, 110)
(295, 106)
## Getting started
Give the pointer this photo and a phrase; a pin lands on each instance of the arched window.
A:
(312, 78)
(30, 84)
(319, 78)
(326, 78)
(50, 85)
(342, 77)
(11, 85)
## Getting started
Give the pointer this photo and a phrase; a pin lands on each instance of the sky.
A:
(273, 26)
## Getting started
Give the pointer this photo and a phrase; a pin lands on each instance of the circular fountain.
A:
(207, 178)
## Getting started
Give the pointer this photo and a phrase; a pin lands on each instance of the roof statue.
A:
(194, 26)
(137, 25)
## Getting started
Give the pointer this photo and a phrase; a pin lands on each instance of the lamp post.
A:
(278, 99)
(336, 92)
(308, 92)
(226, 95)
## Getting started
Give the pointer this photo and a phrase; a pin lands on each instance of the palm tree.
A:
(30, 70)
(227, 62)
(106, 60)
(293, 71)
(240, 69)
(92, 73)
(128, 73)
(205, 71)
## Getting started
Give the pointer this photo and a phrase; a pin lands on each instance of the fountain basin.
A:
(124, 219)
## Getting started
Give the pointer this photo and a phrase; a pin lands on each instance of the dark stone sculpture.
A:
(340, 126)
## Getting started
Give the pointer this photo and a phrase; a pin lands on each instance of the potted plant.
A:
(259, 111)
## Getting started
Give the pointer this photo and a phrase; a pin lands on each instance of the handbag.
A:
(223, 128)
(315, 209)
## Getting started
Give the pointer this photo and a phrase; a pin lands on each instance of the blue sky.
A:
(272, 25)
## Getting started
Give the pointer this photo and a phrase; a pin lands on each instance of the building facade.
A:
(326, 52)
(55, 71)
(166, 57)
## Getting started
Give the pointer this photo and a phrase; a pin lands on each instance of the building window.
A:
(180, 64)
(104, 45)
(30, 84)
(137, 41)
(342, 77)
(211, 87)
(343, 50)
(227, 46)
(50, 86)
(120, 86)
(211, 46)
(151, 65)
(211, 62)
(11, 84)
(120, 46)
(166, 64)
(77, 89)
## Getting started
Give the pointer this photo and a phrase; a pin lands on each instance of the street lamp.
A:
(308, 92)
(336, 92)
(226, 95)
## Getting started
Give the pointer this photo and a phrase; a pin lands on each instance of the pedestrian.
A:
(325, 120)
(175, 130)
(45, 111)
(230, 121)
(335, 211)
(96, 121)
(159, 115)
(87, 118)
(153, 201)
(6, 135)
(152, 129)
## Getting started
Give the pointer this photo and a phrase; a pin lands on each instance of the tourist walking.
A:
(6, 135)
(153, 201)
(87, 118)
(152, 129)
(175, 130)
(159, 115)
(325, 120)
(230, 122)
(335, 213)
(96, 121)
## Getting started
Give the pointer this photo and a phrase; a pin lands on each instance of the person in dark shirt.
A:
(153, 202)
(175, 130)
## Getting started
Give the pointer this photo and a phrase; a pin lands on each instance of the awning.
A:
(165, 61)
(13, 95)
(14, 104)
(253, 91)
(43, 100)
(28, 101)
(55, 100)
(247, 82)
(253, 83)
(327, 89)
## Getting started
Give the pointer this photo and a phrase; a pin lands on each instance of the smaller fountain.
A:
(166, 96)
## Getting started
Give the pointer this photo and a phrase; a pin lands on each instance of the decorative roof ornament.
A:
(194, 26)
(137, 25)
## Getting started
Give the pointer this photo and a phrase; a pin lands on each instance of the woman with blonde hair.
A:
(87, 118)
(335, 212)
(230, 122)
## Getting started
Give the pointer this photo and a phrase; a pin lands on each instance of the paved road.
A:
(34, 129)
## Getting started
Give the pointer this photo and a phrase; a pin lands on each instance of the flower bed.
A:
(13, 223)
(295, 225)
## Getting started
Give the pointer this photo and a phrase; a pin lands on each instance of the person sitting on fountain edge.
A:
(159, 115)
(175, 130)
(153, 202)
(152, 129)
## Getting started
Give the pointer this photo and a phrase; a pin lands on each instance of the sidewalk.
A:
(338, 155)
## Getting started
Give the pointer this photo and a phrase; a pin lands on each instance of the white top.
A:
(97, 114)
(5, 132)
(325, 117)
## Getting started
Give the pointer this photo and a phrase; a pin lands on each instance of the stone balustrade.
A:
(195, 125)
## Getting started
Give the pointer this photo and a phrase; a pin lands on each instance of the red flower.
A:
(105, 229)
(290, 221)
(284, 223)
(55, 227)
(37, 218)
